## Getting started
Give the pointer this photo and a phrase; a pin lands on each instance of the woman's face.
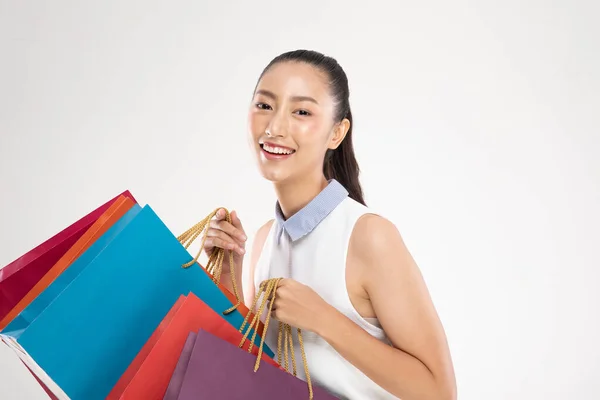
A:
(291, 121)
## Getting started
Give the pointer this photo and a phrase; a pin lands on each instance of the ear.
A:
(340, 130)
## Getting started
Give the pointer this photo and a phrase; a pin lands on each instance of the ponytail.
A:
(340, 164)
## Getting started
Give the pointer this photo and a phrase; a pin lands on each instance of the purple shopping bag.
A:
(219, 370)
(177, 378)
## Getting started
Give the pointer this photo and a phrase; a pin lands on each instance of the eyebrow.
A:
(294, 98)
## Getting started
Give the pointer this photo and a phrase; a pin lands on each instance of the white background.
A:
(477, 129)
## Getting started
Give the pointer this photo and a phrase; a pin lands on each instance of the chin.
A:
(274, 175)
(272, 171)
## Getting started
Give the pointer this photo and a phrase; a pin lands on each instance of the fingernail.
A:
(242, 251)
(243, 237)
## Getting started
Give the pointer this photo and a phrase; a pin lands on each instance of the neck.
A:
(295, 195)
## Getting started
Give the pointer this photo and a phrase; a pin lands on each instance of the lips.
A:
(272, 151)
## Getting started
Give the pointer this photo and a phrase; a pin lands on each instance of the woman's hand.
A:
(300, 306)
(228, 236)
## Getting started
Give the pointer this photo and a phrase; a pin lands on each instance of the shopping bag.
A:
(151, 379)
(218, 369)
(214, 266)
(41, 383)
(98, 228)
(39, 304)
(140, 358)
(47, 384)
(179, 372)
(17, 381)
(18, 277)
(87, 337)
(214, 364)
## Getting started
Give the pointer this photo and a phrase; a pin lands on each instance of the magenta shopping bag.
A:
(218, 369)
(18, 277)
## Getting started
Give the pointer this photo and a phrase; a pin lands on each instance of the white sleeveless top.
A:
(311, 247)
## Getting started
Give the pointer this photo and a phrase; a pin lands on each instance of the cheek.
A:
(256, 124)
(311, 135)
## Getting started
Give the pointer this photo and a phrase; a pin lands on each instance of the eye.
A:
(303, 113)
(263, 106)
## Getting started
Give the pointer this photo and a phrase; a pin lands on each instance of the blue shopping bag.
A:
(37, 306)
(87, 337)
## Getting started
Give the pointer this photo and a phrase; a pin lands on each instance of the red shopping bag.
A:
(20, 276)
(152, 370)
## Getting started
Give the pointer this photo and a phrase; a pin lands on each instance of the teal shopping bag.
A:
(43, 300)
(87, 337)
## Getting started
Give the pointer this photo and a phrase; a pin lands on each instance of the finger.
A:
(236, 221)
(221, 243)
(228, 229)
(276, 313)
(283, 282)
(270, 298)
(222, 235)
(232, 243)
(221, 214)
(215, 241)
(263, 287)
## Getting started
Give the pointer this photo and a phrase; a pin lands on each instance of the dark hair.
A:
(339, 164)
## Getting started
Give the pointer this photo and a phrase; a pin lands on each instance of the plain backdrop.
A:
(477, 129)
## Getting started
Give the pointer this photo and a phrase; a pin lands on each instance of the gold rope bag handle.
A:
(268, 289)
(215, 262)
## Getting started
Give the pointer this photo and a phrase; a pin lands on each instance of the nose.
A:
(278, 126)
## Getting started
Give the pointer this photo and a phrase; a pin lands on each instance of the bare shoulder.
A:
(375, 237)
(380, 252)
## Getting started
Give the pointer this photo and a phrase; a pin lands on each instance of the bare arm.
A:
(257, 246)
(419, 366)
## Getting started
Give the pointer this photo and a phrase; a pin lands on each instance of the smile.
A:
(276, 153)
(277, 150)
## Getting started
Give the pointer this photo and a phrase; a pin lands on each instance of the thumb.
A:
(235, 220)
(221, 214)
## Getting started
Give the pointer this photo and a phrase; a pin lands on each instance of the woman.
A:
(370, 328)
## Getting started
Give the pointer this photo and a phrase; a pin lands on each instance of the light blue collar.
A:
(304, 221)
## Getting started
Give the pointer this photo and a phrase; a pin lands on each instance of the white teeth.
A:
(277, 150)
